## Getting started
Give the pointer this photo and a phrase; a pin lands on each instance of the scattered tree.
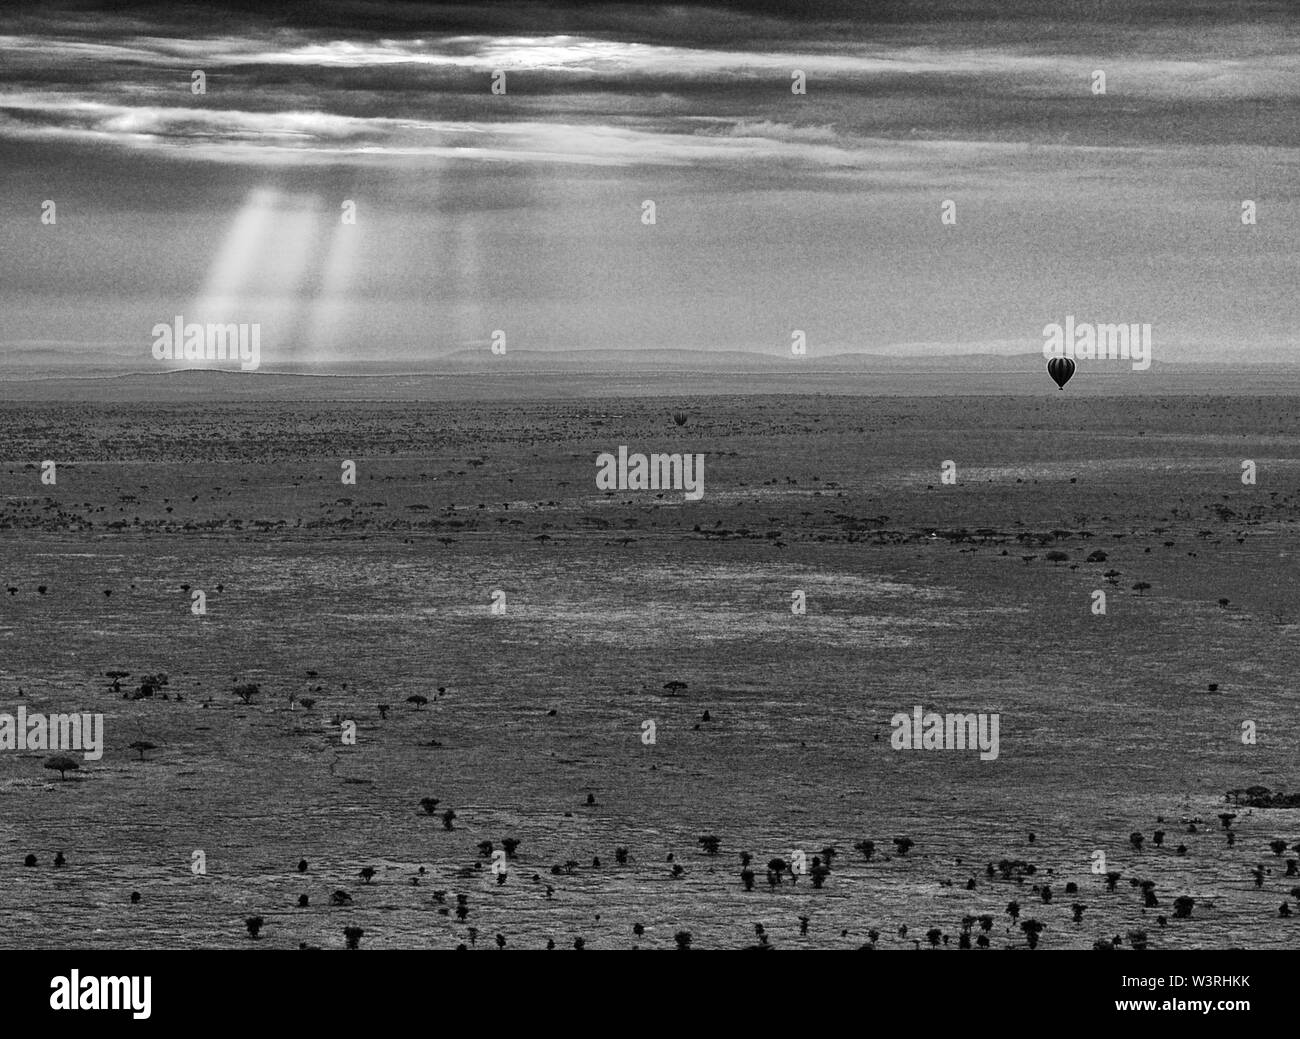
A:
(62, 764)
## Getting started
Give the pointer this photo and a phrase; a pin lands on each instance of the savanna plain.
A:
(1121, 733)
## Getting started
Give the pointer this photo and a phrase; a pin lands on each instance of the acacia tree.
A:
(62, 764)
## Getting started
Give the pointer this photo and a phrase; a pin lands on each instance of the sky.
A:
(523, 211)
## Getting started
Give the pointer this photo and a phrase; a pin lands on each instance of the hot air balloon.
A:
(1060, 369)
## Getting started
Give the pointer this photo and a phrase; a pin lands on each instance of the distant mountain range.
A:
(28, 363)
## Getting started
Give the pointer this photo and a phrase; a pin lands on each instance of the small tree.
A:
(1140, 587)
(352, 936)
(417, 700)
(447, 818)
(428, 804)
(868, 848)
(709, 844)
(683, 940)
(141, 746)
(367, 874)
(254, 925)
(62, 764)
(1032, 929)
(1183, 906)
(903, 844)
(1136, 839)
(510, 845)
(246, 691)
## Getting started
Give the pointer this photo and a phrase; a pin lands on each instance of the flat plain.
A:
(918, 593)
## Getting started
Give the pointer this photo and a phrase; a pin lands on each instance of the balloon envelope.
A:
(1060, 369)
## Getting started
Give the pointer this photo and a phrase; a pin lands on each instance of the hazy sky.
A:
(522, 211)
